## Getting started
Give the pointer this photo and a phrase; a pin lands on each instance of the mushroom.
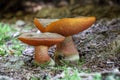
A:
(41, 42)
(67, 27)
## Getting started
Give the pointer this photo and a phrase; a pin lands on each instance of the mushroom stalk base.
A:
(66, 50)
(41, 56)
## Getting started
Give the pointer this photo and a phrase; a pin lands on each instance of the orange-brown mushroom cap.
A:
(35, 39)
(67, 26)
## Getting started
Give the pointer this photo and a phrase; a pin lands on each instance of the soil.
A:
(98, 46)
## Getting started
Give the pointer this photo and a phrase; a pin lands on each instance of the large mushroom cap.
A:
(36, 39)
(67, 26)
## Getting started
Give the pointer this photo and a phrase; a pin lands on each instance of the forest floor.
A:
(98, 46)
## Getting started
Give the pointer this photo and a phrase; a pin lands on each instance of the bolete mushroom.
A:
(67, 27)
(41, 42)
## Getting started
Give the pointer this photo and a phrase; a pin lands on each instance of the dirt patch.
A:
(99, 48)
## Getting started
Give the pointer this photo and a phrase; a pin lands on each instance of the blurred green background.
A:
(12, 10)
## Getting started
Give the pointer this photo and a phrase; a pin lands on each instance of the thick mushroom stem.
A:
(41, 56)
(67, 50)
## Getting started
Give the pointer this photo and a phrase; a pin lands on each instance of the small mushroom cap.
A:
(37, 39)
(66, 26)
